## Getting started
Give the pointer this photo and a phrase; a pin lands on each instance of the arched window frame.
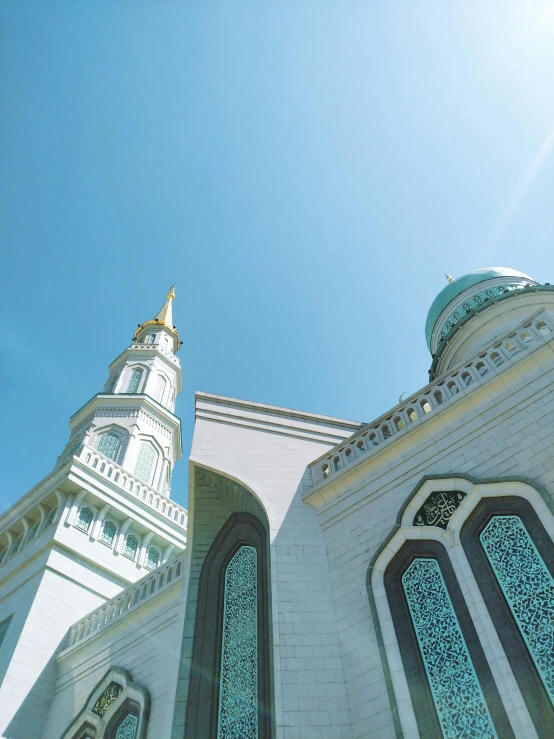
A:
(142, 379)
(406, 533)
(124, 547)
(113, 428)
(242, 529)
(114, 539)
(93, 510)
(133, 698)
(158, 451)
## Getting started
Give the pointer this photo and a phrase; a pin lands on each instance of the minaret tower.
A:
(100, 521)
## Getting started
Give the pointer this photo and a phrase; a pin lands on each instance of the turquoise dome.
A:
(457, 286)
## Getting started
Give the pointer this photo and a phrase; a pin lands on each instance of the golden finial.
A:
(449, 278)
(171, 294)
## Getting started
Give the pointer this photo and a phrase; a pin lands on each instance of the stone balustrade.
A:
(129, 600)
(130, 484)
(496, 357)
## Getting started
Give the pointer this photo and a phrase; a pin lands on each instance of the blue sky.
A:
(305, 171)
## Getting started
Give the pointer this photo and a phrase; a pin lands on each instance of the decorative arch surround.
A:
(117, 708)
(238, 559)
(111, 441)
(461, 570)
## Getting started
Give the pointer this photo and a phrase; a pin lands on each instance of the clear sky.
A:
(305, 171)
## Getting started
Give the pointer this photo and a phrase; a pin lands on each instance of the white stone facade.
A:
(339, 501)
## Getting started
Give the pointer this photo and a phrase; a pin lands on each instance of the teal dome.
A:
(457, 286)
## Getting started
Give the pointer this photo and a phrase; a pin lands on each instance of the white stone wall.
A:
(266, 451)
(145, 642)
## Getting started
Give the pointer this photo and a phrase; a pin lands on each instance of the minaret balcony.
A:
(124, 480)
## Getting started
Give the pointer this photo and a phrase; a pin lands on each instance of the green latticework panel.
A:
(134, 381)
(127, 729)
(457, 694)
(528, 587)
(238, 695)
(109, 445)
(145, 462)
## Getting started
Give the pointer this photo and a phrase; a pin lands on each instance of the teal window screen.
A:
(127, 729)
(152, 558)
(108, 532)
(457, 694)
(145, 462)
(134, 380)
(84, 519)
(238, 691)
(109, 445)
(131, 546)
(528, 588)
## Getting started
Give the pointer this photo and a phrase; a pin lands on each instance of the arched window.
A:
(50, 517)
(33, 531)
(159, 389)
(84, 519)
(151, 339)
(109, 445)
(152, 558)
(238, 680)
(127, 729)
(512, 558)
(230, 680)
(17, 544)
(112, 382)
(135, 380)
(107, 535)
(452, 690)
(146, 459)
(73, 449)
(131, 546)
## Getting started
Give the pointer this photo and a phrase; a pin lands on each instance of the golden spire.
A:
(449, 278)
(165, 315)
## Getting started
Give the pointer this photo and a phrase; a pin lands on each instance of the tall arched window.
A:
(453, 692)
(135, 380)
(146, 459)
(127, 729)
(112, 382)
(152, 558)
(131, 546)
(230, 681)
(151, 339)
(109, 445)
(159, 389)
(238, 691)
(512, 558)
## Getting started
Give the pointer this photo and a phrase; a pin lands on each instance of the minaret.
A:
(100, 521)
(131, 422)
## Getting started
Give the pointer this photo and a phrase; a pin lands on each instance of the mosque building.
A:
(332, 579)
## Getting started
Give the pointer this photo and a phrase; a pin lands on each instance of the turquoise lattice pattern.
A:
(134, 382)
(152, 558)
(238, 695)
(131, 546)
(457, 694)
(127, 729)
(84, 520)
(109, 445)
(145, 462)
(108, 532)
(528, 587)
(470, 305)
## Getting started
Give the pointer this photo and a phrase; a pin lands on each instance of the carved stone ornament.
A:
(438, 508)
(107, 698)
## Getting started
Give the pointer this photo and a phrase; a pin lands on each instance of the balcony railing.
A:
(411, 411)
(130, 484)
(129, 600)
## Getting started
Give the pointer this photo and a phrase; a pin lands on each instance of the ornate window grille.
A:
(131, 546)
(151, 339)
(84, 519)
(145, 462)
(457, 694)
(152, 558)
(109, 445)
(134, 380)
(108, 532)
(159, 389)
(127, 729)
(527, 586)
(470, 305)
(238, 695)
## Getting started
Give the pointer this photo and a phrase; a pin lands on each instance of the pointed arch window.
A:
(50, 517)
(84, 519)
(131, 546)
(527, 586)
(159, 389)
(145, 462)
(151, 339)
(135, 380)
(109, 445)
(107, 535)
(238, 694)
(127, 729)
(112, 382)
(152, 558)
